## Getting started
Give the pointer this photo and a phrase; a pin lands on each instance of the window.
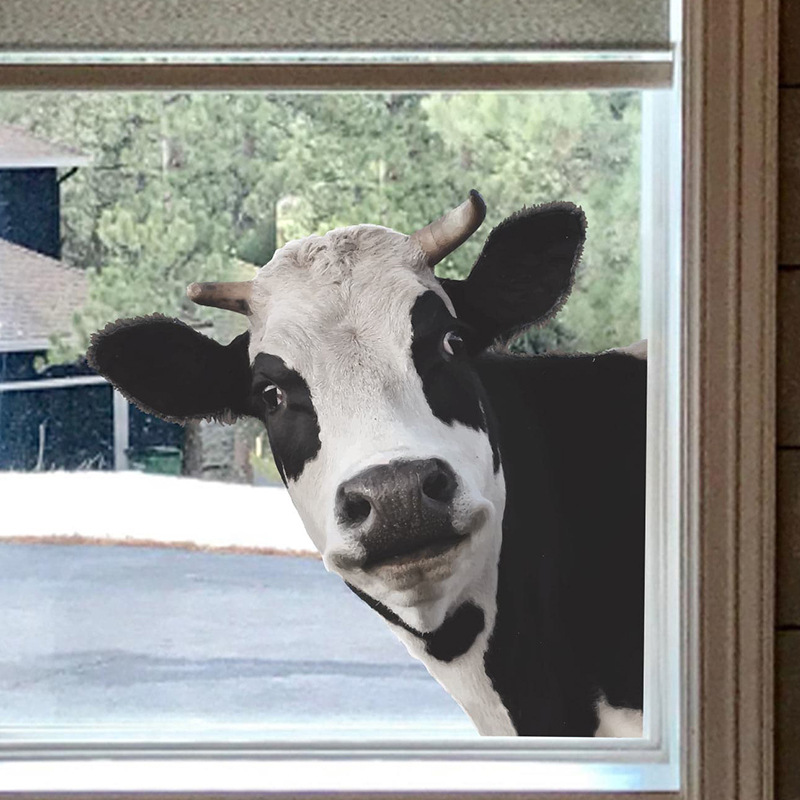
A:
(544, 774)
(161, 188)
(158, 190)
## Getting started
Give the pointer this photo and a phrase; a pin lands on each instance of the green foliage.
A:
(522, 150)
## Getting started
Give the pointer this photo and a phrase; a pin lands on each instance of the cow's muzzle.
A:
(397, 512)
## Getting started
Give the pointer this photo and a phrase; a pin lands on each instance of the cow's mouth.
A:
(410, 555)
(414, 556)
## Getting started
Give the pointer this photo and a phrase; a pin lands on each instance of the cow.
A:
(489, 506)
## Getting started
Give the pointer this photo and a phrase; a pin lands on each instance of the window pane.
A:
(110, 204)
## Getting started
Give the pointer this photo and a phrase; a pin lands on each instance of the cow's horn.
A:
(441, 237)
(233, 296)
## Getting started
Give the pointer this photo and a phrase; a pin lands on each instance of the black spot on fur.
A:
(293, 429)
(451, 639)
(492, 426)
(570, 600)
(450, 384)
(456, 634)
(171, 371)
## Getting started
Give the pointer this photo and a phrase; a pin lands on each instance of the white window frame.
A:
(716, 357)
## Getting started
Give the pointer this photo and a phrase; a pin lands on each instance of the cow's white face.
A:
(375, 413)
(376, 419)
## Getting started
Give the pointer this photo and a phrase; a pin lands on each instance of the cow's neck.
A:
(465, 677)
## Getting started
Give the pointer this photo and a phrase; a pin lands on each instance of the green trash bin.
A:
(158, 460)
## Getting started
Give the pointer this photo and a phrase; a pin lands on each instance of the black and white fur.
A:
(531, 614)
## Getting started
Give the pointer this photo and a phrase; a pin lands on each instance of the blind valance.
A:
(319, 25)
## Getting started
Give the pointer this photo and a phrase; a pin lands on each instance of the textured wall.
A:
(332, 24)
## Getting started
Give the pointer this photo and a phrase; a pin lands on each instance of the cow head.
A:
(360, 363)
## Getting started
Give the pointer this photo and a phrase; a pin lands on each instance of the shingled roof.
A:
(38, 296)
(20, 149)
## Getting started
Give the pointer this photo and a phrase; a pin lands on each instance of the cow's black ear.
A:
(524, 273)
(170, 370)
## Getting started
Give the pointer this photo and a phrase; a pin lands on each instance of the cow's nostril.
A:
(440, 484)
(397, 499)
(355, 509)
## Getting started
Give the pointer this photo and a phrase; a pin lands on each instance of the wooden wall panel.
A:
(788, 394)
(788, 550)
(790, 43)
(789, 177)
(787, 741)
(787, 687)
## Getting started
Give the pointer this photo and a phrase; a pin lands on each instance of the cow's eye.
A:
(274, 397)
(453, 344)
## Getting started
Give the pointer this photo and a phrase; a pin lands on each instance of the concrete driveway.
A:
(157, 643)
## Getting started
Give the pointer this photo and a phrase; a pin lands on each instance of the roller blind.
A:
(313, 25)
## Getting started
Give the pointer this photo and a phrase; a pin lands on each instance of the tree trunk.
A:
(192, 450)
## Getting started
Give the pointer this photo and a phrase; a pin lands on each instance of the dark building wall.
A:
(75, 423)
(29, 209)
(74, 426)
(147, 431)
(18, 366)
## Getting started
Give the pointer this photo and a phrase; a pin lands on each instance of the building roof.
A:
(38, 296)
(22, 150)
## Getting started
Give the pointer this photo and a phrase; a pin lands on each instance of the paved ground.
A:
(176, 644)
